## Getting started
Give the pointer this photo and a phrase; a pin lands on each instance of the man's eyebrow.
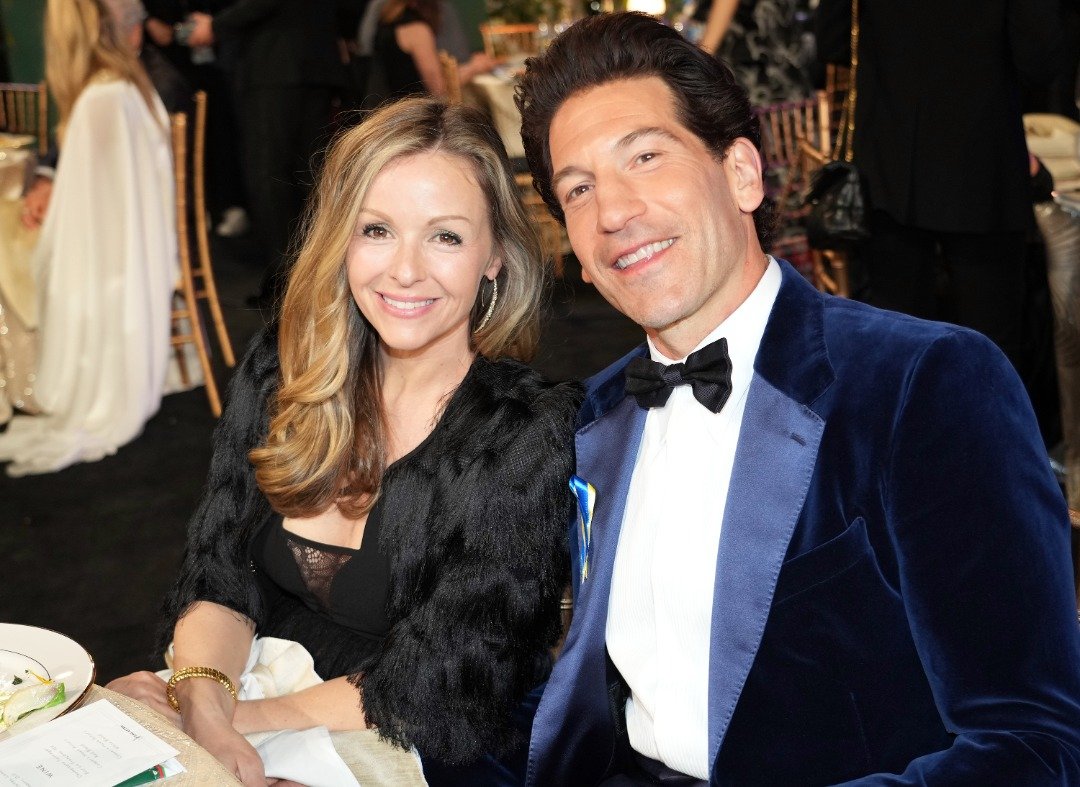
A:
(624, 142)
(651, 131)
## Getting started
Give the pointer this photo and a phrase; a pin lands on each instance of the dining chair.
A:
(449, 65)
(187, 324)
(796, 139)
(550, 231)
(789, 128)
(508, 41)
(203, 274)
(24, 109)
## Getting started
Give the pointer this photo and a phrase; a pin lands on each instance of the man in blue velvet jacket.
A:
(817, 542)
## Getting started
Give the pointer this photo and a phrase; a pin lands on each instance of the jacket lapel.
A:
(774, 462)
(573, 737)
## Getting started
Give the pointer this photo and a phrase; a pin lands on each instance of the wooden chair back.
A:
(786, 128)
(187, 321)
(796, 141)
(203, 273)
(449, 65)
(550, 231)
(24, 109)
(509, 41)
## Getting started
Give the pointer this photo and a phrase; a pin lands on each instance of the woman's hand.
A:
(149, 689)
(160, 32)
(36, 203)
(215, 733)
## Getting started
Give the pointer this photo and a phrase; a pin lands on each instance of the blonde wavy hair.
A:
(327, 437)
(85, 38)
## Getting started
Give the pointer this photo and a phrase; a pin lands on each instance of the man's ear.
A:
(742, 163)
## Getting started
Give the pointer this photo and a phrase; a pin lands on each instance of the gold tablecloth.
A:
(202, 768)
(373, 762)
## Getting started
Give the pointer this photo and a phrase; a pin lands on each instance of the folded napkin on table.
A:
(314, 757)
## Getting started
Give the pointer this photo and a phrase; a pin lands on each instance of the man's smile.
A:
(642, 253)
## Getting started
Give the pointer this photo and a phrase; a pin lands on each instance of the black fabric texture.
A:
(474, 524)
(402, 76)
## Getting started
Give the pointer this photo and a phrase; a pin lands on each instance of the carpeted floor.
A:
(90, 551)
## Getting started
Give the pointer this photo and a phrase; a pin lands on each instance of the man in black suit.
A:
(288, 67)
(940, 145)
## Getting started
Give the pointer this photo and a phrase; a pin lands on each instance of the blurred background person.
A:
(939, 143)
(288, 67)
(765, 42)
(406, 48)
(204, 68)
(105, 262)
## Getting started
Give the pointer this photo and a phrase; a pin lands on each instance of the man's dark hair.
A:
(601, 49)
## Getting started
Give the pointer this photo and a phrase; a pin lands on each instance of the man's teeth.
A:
(643, 253)
(408, 305)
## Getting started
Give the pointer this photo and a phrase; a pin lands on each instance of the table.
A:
(202, 768)
(374, 762)
(497, 93)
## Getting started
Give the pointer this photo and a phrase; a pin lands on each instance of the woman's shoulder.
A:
(506, 380)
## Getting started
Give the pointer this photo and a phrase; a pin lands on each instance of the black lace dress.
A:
(330, 599)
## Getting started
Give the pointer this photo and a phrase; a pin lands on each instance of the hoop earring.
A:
(491, 305)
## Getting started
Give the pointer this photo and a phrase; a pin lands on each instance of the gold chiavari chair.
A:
(509, 41)
(785, 128)
(795, 142)
(550, 231)
(187, 327)
(24, 109)
(449, 65)
(203, 273)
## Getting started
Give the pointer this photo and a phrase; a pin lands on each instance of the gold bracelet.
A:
(196, 672)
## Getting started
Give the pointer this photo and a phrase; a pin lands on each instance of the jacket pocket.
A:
(823, 562)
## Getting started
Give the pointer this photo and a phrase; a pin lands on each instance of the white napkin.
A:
(276, 667)
(305, 756)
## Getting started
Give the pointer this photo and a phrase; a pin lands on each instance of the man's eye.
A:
(644, 157)
(450, 238)
(576, 192)
(376, 231)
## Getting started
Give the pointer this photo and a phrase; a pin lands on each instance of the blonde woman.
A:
(389, 482)
(105, 261)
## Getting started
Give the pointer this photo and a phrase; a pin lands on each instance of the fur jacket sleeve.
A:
(474, 524)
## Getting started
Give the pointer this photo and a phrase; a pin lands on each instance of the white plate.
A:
(46, 653)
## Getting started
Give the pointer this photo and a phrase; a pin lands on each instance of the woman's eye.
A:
(449, 238)
(644, 157)
(376, 231)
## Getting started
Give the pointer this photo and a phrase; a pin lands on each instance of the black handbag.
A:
(837, 214)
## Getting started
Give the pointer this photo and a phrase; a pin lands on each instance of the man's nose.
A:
(617, 204)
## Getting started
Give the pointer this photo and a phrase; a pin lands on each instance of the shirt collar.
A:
(743, 328)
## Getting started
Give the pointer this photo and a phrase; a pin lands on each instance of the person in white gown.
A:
(106, 262)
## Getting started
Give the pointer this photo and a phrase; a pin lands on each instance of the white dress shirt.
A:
(660, 612)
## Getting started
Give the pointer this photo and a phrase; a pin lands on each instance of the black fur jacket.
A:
(475, 528)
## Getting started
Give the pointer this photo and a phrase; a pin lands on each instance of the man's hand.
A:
(149, 689)
(203, 32)
(36, 203)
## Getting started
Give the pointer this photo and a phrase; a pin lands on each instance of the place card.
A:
(95, 746)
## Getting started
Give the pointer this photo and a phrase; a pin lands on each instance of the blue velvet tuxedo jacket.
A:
(893, 599)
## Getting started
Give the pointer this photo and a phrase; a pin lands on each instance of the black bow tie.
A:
(707, 371)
